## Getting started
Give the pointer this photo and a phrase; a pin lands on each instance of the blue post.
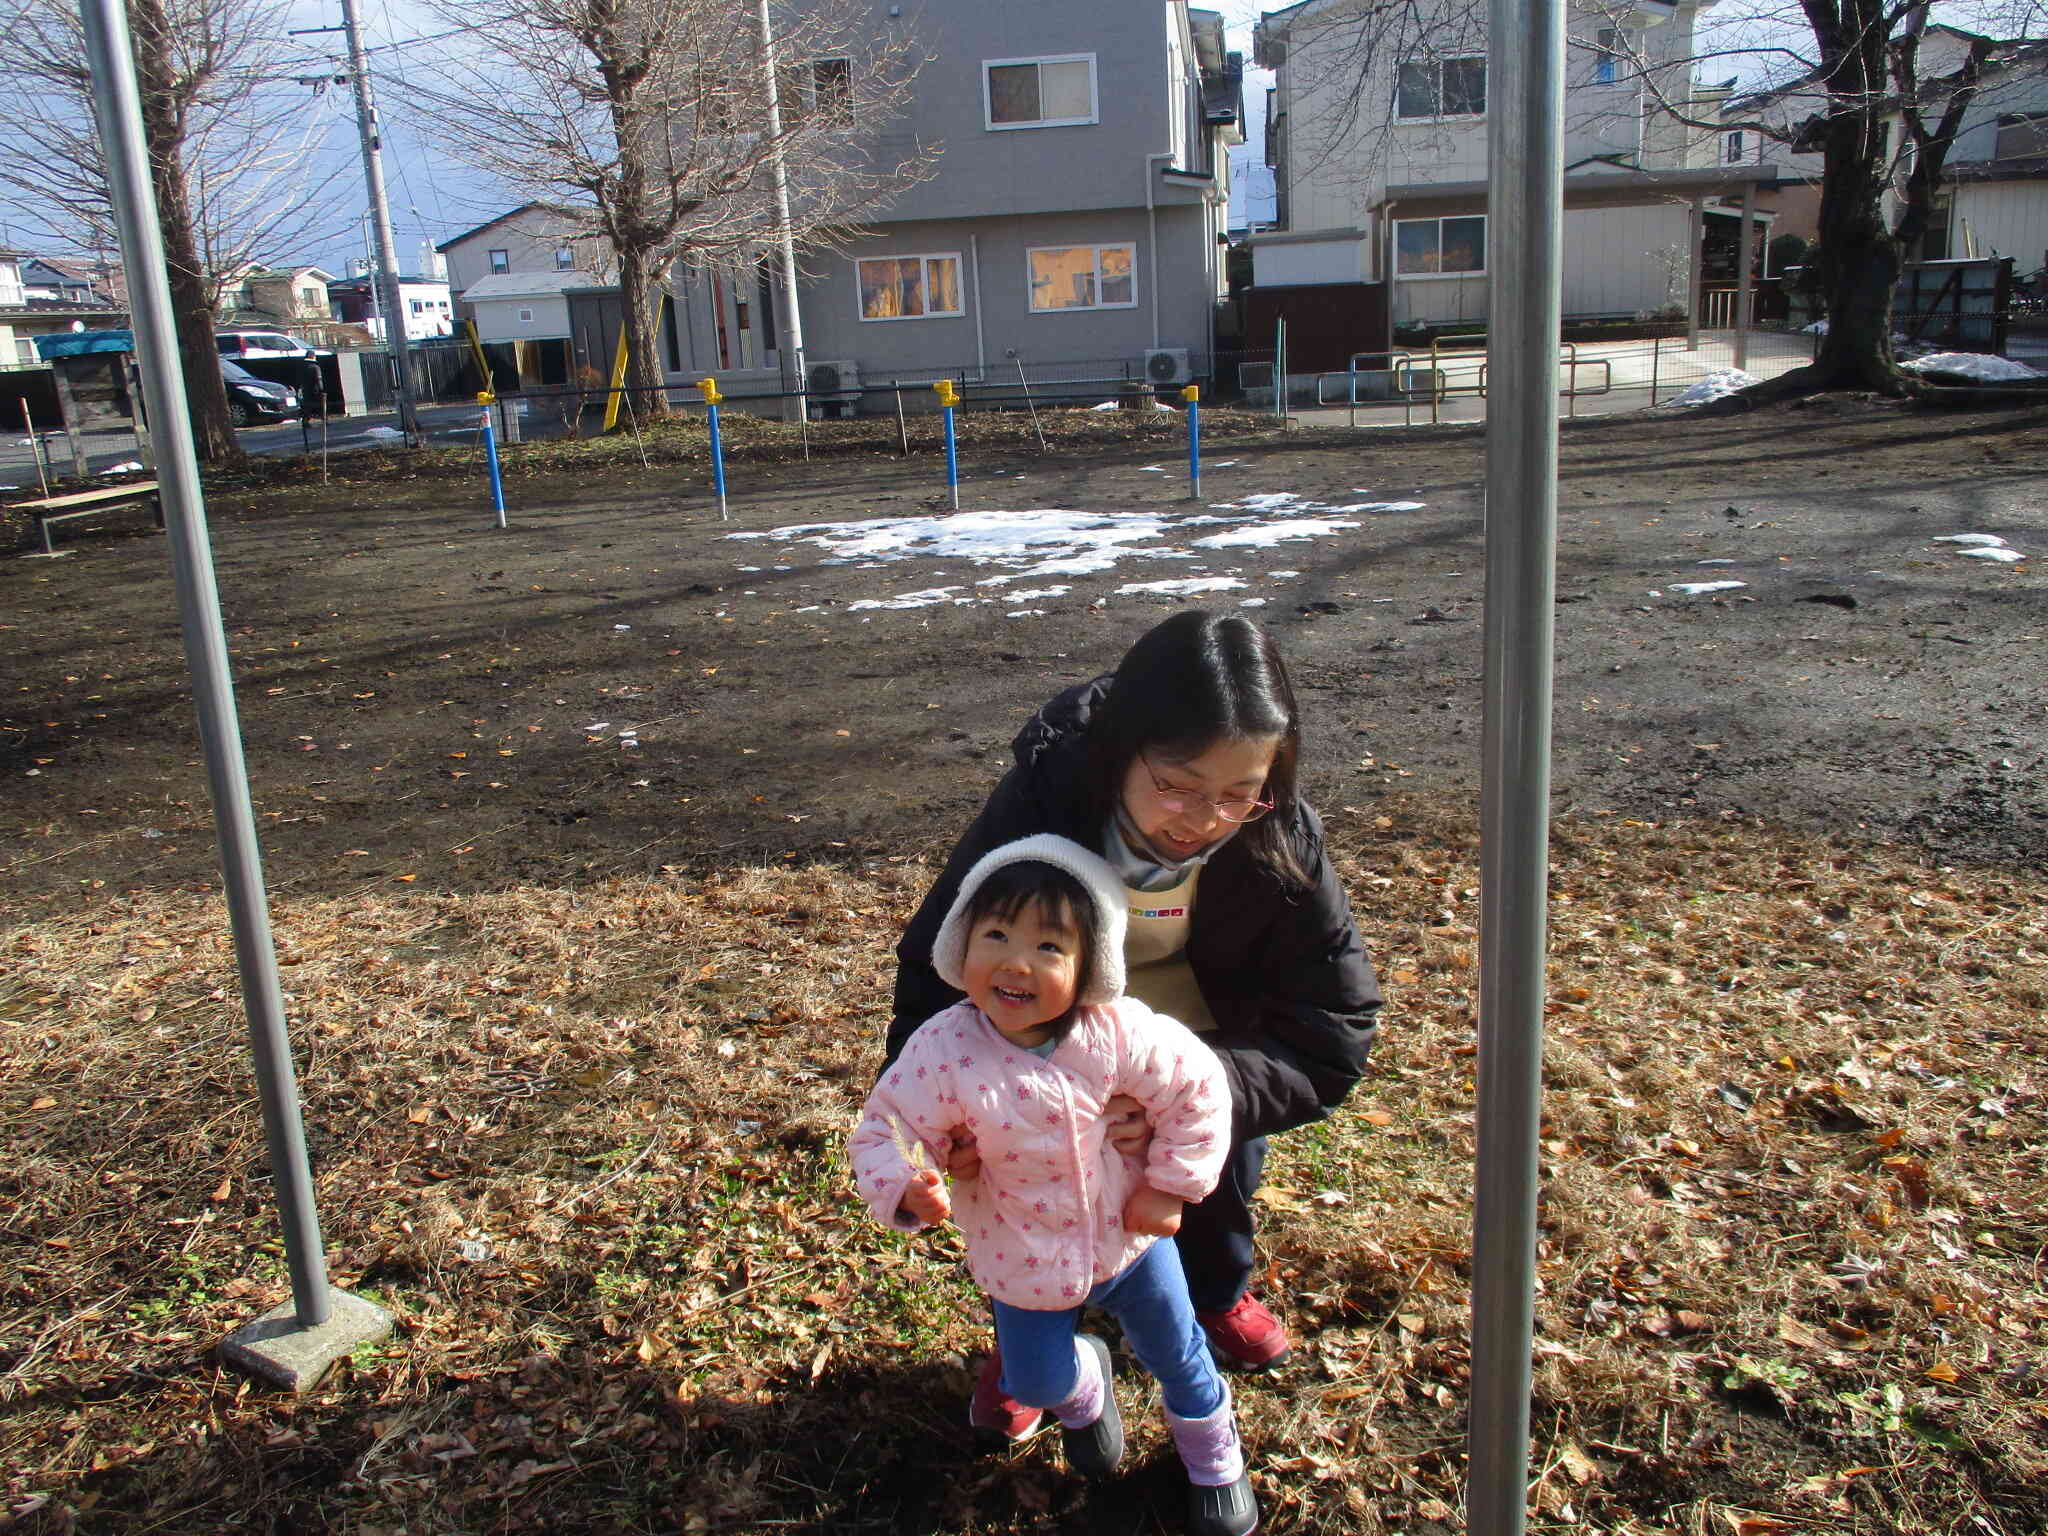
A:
(491, 453)
(711, 398)
(949, 396)
(1193, 395)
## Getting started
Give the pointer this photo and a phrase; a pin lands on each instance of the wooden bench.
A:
(58, 509)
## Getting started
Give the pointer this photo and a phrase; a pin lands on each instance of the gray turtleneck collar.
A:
(1141, 871)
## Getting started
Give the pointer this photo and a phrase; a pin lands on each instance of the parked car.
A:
(251, 399)
(260, 344)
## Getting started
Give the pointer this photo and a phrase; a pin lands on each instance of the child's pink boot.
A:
(1220, 1499)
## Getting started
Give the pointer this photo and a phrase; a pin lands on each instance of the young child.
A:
(1057, 1218)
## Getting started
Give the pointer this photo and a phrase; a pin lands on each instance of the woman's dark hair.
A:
(1188, 683)
(1059, 898)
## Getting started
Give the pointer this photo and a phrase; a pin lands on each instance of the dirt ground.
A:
(605, 687)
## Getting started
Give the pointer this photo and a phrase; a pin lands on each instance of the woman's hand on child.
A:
(1128, 1129)
(926, 1197)
(963, 1159)
(1151, 1212)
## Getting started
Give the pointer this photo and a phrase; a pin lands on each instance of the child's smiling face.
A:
(1022, 970)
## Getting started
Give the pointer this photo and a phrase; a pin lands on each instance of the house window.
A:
(1732, 153)
(1432, 88)
(824, 86)
(1040, 93)
(501, 261)
(1610, 53)
(309, 298)
(1083, 277)
(526, 317)
(565, 259)
(909, 287)
(1440, 247)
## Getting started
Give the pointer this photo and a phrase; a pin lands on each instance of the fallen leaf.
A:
(220, 1194)
(45, 1102)
(1942, 1371)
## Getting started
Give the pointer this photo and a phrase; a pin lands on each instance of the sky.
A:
(433, 199)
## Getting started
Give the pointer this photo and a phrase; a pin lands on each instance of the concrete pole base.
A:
(274, 1348)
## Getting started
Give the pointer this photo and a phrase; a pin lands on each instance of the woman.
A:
(1179, 769)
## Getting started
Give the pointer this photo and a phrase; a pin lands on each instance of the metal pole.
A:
(386, 275)
(952, 461)
(1280, 368)
(117, 105)
(1029, 403)
(902, 427)
(35, 443)
(1696, 225)
(1525, 233)
(1745, 246)
(1193, 395)
(718, 462)
(1656, 353)
(793, 326)
(491, 453)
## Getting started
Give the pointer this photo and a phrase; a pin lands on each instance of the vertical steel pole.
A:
(1193, 395)
(1525, 235)
(952, 460)
(718, 462)
(791, 356)
(1745, 246)
(117, 106)
(491, 453)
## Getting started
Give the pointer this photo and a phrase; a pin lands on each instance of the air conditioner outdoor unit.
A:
(1167, 365)
(832, 379)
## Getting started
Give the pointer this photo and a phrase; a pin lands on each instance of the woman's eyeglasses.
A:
(1177, 802)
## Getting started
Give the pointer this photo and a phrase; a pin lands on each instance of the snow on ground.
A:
(1980, 546)
(1051, 545)
(1697, 588)
(1718, 385)
(1972, 365)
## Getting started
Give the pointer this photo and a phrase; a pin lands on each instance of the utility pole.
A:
(793, 352)
(384, 278)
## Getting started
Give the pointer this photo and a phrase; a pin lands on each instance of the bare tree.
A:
(230, 151)
(646, 120)
(1853, 80)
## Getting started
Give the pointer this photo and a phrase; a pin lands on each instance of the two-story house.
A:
(1075, 224)
(1994, 197)
(427, 306)
(1381, 157)
(1073, 229)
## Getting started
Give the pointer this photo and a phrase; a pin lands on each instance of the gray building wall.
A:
(1034, 170)
(995, 295)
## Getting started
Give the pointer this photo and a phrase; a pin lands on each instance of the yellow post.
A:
(710, 387)
(611, 404)
(476, 350)
(949, 395)
(1192, 393)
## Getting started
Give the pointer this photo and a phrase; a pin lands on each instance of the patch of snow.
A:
(1713, 562)
(1987, 552)
(1026, 613)
(1151, 469)
(1251, 602)
(386, 434)
(1037, 594)
(129, 467)
(931, 597)
(1261, 535)
(1283, 575)
(1818, 328)
(1988, 540)
(1187, 588)
(1695, 588)
(1972, 365)
(1718, 385)
(1107, 405)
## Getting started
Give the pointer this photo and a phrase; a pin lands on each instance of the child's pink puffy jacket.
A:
(1044, 1220)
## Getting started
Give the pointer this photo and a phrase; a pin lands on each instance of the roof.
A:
(471, 234)
(79, 343)
(320, 272)
(350, 284)
(533, 285)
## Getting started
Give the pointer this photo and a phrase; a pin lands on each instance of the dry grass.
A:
(586, 1144)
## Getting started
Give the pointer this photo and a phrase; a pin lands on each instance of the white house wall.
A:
(2008, 218)
(499, 319)
(1615, 269)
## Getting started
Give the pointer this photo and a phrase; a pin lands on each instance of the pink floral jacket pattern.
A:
(1044, 1219)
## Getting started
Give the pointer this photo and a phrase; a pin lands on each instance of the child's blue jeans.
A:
(1150, 1302)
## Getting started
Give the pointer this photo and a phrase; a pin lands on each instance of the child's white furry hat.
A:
(1105, 890)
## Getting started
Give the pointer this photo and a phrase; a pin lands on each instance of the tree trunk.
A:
(1860, 263)
(640, 300)
(163, 133)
